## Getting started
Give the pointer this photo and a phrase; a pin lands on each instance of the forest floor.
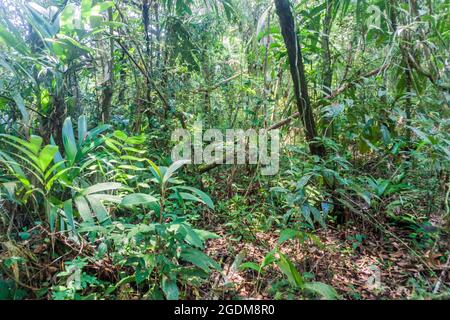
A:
(349, 266)
(360, 259)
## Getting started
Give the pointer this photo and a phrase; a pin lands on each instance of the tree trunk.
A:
(107, 89)
(298, 75)
(327, 76)
(326, 56)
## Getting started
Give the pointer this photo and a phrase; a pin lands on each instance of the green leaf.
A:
(199, 259)
(24, 235)
(14, 41)
(82, 129)
(205, 235)
(84, 210)
(34, 145)
(303, 181)
(306, 213)
(86, 6)
(185, 196)
(104, 186)
(174, 167)
(46, 156)
(91, 134)
(69, 214)
(110, 144)
(52, 215)
(137, 199)
(170, 289)
(103, 6)
(250, 265)
(70, 146)
(203, 196)
(67, 17)
(288, 234)
(99, 210)
(192, 237)
(323, 290)
(102, 249)
(37, 17)
(289, 270)
(21, 105)
(155, 170)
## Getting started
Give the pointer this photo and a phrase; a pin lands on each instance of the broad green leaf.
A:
(91, 134)
(109, 143)
(100, 7)
(86, 6)
(46, 156)
(21, 105)
(205, 235)
(199, 259)
(185, 196)
(106, 197)
(138, 199)
(13, 41)
(34, 145)
(289, 234)
(82, 129)
(59, 175)
(174, 167)
(155, 170)
(169, 287)
(203, 196)
(58, 157)
(36, 16)
(69, 214)
(11, 164)
(323, 290)
(70, 146)
(67, 17)
(104, 186)
(192, 237)
(84, 210)
(102, 249)
(250, 265)
(289, 270)
(99, 210)
(52, 215)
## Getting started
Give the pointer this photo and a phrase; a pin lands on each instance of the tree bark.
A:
(298, 75)
(326, 55)
(327, 76)
(107, 90)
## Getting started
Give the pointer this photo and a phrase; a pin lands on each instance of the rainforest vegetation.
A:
(93, 206)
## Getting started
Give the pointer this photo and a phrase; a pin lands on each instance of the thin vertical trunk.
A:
(158, 35)
(298, 75)
(107, 90)
(207, 76)
(146, 22)
(327, 77)
(326, 55)
(122, 80)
